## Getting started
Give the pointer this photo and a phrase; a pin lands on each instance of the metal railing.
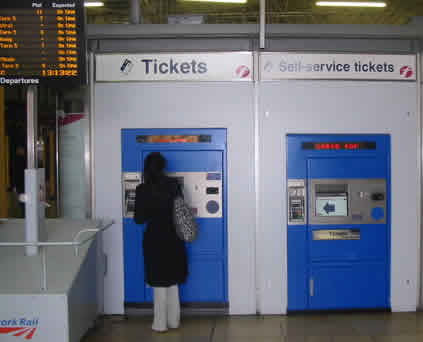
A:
(101, 226)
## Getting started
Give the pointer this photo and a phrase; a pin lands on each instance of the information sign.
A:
(41, 41)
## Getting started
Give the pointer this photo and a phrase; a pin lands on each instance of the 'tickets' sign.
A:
(233, 66)
(276, 66)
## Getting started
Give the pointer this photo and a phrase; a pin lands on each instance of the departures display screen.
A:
(42, 42)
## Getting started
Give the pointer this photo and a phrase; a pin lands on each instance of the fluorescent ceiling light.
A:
(94, 4)
(350, 4)
(222, 1)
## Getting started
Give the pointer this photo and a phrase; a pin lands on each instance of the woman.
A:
(165, 260)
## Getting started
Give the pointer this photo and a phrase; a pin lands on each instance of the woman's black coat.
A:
(165, 259)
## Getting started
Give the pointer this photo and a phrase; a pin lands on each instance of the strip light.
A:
(94, 4)
(221, 1)
(350, 4)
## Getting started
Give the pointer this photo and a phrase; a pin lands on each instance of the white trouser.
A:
(167, 311)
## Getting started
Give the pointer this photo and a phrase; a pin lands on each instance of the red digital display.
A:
(334, 146)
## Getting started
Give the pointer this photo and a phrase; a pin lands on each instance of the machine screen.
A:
(171, 139)
(344, 145)
(332, 205)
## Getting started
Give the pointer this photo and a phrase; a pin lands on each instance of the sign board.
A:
(278, 66)
(41, 41)
(34, 318)
(336, 234)
(229, 66)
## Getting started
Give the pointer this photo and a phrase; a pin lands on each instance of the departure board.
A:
(42, 42)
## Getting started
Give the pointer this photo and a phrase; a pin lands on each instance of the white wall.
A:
(73, 192)
(178, 105)
(338, 107)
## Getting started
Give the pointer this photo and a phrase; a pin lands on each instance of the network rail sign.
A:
(18, 327)
(34, 317)
(277, 66)
(231, 66)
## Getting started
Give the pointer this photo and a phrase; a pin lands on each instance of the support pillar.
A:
(135, 11)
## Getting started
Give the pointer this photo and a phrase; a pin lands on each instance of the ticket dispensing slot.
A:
(296, 201)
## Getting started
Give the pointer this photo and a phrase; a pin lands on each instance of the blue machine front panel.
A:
(202, 163)
(338, 250)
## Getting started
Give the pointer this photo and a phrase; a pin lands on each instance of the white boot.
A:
(160, 309)
(173, 307)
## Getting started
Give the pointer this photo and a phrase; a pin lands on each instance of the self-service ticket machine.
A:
(338, 222)
(197, 158)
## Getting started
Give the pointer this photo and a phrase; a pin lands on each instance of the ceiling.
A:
(397, 12)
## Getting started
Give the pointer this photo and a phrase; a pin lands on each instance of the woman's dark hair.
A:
(154, 166)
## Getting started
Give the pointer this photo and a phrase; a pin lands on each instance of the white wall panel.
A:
(338, 107)
(178, 105)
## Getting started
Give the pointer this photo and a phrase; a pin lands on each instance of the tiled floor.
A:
(339, 327)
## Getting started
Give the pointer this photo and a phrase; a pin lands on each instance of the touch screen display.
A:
(332, 205)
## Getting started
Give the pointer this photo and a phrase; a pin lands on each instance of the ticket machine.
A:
(338, 195)
(197, 158)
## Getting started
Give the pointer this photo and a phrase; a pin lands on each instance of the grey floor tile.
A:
(385, 327)
(401, 338)
(315, 325)
(294, 338)
(318, 339)
(352, 339)
(247, 339)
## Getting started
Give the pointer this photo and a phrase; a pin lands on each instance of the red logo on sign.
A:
(26, 332)
(243, 71)
(406, 71)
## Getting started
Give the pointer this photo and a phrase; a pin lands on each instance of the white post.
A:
(262, 23)
(34, 179)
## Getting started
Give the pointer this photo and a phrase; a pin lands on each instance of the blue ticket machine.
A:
(338, 222)
(197, 158)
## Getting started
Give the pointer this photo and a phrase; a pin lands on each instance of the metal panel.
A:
(377, 45)
(188, 105)
(348, 225)
(359, 201)
(173, 45)
(346, 286)
(339, 107)
(201, 171)
(336, 234)
(248, 30)
(179, 44)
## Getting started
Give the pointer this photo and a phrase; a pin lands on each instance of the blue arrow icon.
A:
(329, 208)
